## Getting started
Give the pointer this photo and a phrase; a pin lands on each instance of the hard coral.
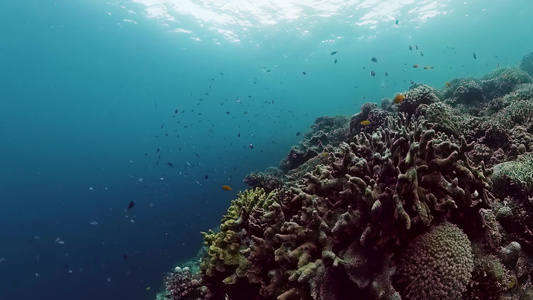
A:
(417, 95)
(436, 265)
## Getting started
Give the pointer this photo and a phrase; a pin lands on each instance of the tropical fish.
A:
(399, 98)
(365, 122)
(448, 84)
(416, 66)
(226, 188)
(428, 68)
(374, 59)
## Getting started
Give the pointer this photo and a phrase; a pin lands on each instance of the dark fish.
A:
(374, 59)
(206, 176)
(227, 113)
(421, 54)
(125, 257)
(411, 47)
(238, 135)
(176, 111)
(304, 72)
(474, 53)
(221, 73)
(251, 146)
(196, 154)
(162, 125)
(372, 73)
(268, 71)
(335, 61)
(170, 164)
(397, 21)
(67, 268)
(416, 46)
(334, 52)
(298, 133)
(131, 205)
(386, 73)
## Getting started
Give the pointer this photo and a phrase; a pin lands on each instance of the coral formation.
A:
(436, 265)
(429, 199)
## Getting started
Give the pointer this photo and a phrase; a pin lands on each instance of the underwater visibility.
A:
(266, 150)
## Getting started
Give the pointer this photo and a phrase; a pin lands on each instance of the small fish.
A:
(131, 205)
(334, 52)
(411, 47)
(125, 257)
(474, 53)
(421, 54)
(94, 223)
(226, 188)
(206, 177)
(374, 59)
(298, 133)
(372, 73)
(304, 72)
(416, 66)
(335, 61)
(238, 135)
(227, 112)
(196, 154)
(162, 125)
(221, 73)
(176, 111)
(428, 68)
(448, 84)
(251, 146)
(170, 164)
(148, 288)
(397, 21)
(416, 46)
(386, 73)
(399, 98)
(365, 122)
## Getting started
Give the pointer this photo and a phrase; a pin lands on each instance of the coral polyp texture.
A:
(429, 198)
(436, 265)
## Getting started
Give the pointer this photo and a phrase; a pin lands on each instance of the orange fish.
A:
(416, 66)
(398, 98)
(448, 84)
(365, 123)
(428, 68)
(226, 188)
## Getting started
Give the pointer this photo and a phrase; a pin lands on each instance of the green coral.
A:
(436, 265)
(226, 251)
(518, 172)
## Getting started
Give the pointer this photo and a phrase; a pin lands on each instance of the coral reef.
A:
(430, 199)
(325, 131)
(526, 64)
(436, 265)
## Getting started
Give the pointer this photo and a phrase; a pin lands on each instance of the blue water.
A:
(89, 90)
